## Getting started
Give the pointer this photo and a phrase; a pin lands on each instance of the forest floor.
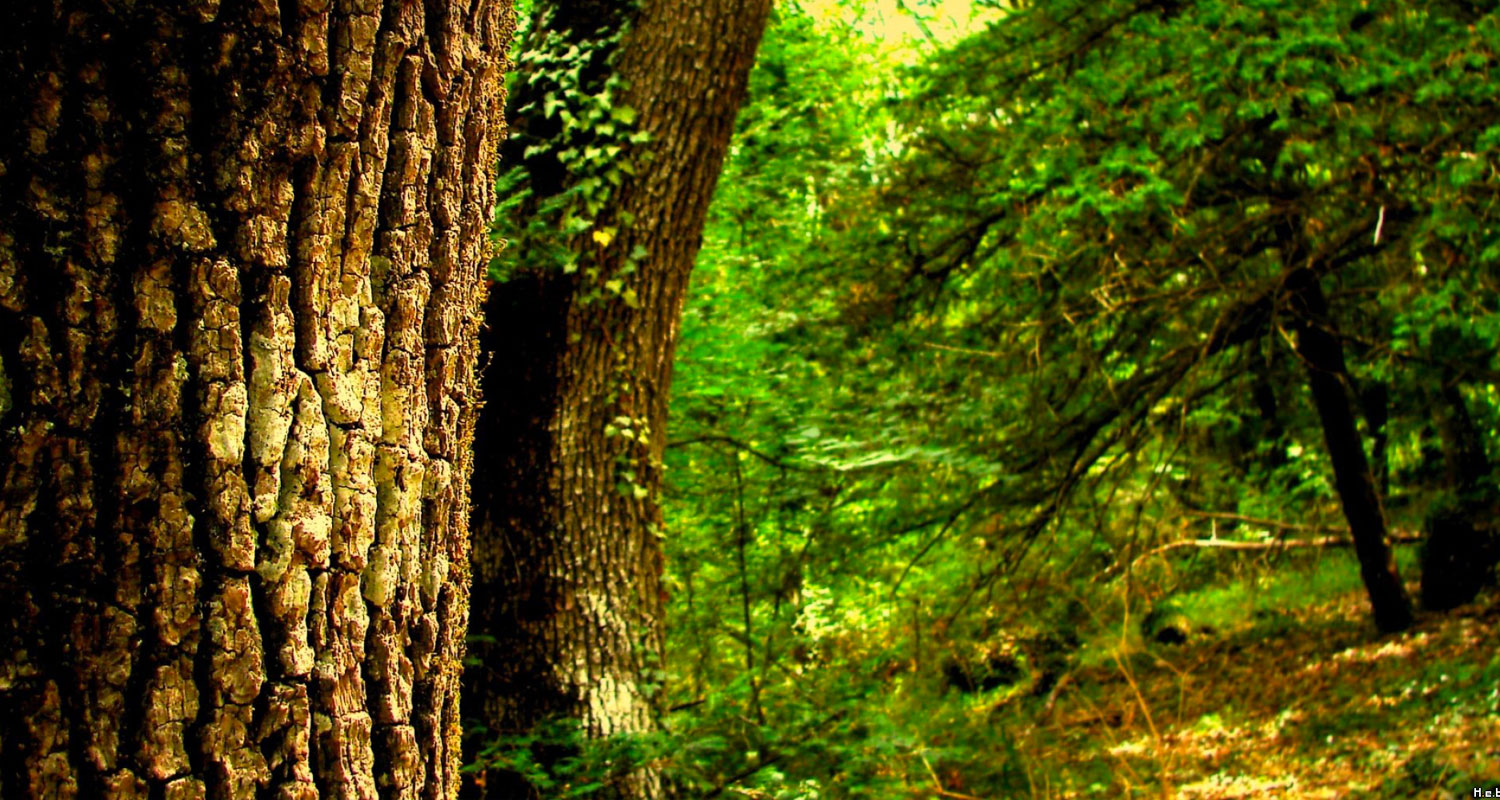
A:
(1311, 703)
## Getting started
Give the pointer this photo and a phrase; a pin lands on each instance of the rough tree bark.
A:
(1323, 357)
(567, 599)
(241, 251)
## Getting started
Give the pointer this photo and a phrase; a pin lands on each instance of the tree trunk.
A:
(1323, 355)
(1463, 444)
(1463, 545)
(567, 561)
(241, 250)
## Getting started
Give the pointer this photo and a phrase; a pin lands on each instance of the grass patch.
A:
(1268, 599)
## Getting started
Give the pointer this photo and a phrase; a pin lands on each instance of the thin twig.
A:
(938, 783)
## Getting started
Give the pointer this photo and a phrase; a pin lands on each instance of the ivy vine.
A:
(573, 145)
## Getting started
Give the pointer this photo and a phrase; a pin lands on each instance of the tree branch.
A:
(739, 445)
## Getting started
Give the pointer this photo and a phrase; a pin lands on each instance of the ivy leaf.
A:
(550, 104)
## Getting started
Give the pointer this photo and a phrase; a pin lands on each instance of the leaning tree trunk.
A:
(1323, 356)
(621, 136)
(241, 250)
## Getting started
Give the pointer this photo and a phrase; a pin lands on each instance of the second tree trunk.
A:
(1323, 356)
(567, 603)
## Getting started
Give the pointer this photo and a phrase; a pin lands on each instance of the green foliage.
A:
(560, 760)
(974, 333)
(572, 146)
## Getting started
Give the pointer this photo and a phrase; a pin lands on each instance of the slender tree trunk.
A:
(1463, 445)
(241, 249)
(1463, 545)
(567, 561)
(1323, 355)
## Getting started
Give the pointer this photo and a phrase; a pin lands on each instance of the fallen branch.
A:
(1265, 523)
(1400, 537)
(1339, 537)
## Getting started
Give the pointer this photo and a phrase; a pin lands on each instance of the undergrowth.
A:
(1283, 689)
